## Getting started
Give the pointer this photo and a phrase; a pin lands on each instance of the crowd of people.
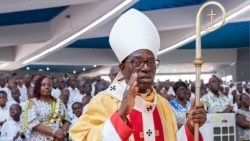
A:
(45, 107)
(216, 97)
(42, 107)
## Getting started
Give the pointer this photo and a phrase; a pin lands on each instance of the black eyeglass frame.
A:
(156, 65)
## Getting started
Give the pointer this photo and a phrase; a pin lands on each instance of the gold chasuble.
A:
(151, 119)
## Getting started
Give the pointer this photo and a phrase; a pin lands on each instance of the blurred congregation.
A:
(23, 102)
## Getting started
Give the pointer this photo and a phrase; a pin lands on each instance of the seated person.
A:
(77, 111)
(30, 95)
(243, 118)
(85, 100)
(12, 127)
(214, 101)
(4, 108)
(113, 72)
(180, 105)
(15, 94)
(64, 96)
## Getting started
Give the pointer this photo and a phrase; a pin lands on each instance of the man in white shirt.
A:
(74, 93)
(4, 108)
(58, 86)
(77, 111)
(4, 88)
(55, 91)
(214, 101)
(12, 127)
(22, 88)
(93, 83)
(64, 96)
(15, 95)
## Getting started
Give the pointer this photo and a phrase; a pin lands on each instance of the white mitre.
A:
(131, 32)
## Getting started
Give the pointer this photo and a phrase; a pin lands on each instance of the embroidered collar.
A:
(117, 89)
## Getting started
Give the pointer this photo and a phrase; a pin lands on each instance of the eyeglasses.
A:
(139, 63)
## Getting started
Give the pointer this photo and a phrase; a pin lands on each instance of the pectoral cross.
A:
(211, 15)
(149, 108)
(149, 133)
(112, 88)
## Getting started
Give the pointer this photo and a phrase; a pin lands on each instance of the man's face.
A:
(113, 72)
(2, 82)
(12, 83)
(15, 111)
(65, 95)
(27, 80)
(77, 109)
(86, 99)
(163, 93)
(146, 73)
(3, 99)
(214, 84)
(73, 82)
(87, 88)
(20, 82)
(15, 93)
(61, 83)
(167, 84)
(239, 88)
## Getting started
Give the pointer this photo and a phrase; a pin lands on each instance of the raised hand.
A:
(129, 95)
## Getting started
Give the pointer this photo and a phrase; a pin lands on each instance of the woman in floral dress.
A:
(44, 117)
